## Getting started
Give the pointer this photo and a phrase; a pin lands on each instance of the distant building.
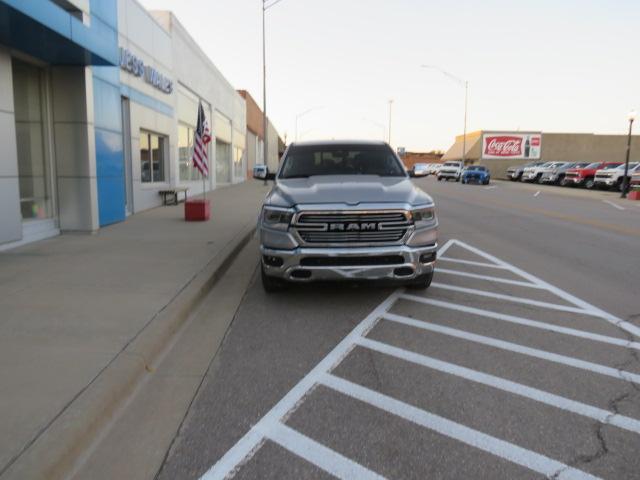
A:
(498, 150)
(411, 158)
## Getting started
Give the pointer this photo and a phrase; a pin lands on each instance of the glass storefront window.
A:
(188, 171)
(223, 162)
(152, 148)
(33, 166)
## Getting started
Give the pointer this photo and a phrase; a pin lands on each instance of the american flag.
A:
(202, 137)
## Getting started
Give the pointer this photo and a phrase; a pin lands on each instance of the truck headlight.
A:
(277, 218)
(423, 217)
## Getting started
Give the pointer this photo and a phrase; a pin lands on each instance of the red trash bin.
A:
(196, 210)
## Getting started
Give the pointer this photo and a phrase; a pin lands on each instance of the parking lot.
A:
(520, 361)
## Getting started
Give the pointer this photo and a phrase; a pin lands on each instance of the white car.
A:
(612, 177)
(534, 172)
(420, 170)
(451, 170)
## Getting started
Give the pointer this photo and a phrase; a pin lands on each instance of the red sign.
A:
(535, 141)
(503, 146)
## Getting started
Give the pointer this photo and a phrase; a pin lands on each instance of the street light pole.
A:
(265, 139)
(625, 179)
(465, 84)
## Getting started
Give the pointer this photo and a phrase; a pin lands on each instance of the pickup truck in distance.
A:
(345, 211)
(585, 176)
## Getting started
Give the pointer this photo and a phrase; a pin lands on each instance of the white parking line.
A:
(629, 327)
(487, 277)
(511, 298)
(500, 448)
(503, 317)
(321, 456)
(598, 414)
(248, 445)
(608, 202)
(537, 193)
(515, 347)
(490, 188)
(470, 262)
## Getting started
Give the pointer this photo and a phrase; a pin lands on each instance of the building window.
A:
(152, 148)
(188, 171)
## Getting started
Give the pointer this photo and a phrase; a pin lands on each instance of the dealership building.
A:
(98, 109)
(498, 150)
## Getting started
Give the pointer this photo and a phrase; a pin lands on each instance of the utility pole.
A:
(265, 129)
(625, 179)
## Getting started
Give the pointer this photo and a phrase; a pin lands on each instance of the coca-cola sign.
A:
(511, 145)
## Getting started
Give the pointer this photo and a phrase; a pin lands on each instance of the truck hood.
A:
(345, 189)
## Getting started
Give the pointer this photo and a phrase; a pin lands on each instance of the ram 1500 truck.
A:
(345, 211)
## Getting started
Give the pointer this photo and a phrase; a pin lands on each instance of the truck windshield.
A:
(310, 160)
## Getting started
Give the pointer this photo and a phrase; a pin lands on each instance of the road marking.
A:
(321, 456)
(629, 327)
(608, 202)
(490, 188)
(248, 445)
(525, 321)
(495, 446)
(470, 262)
(488, 277)
(515, 347)
(598, 414)
(537, 193)
(511, 298)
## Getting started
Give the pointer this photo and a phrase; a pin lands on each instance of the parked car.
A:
(534, 172)
(585, 176)
(450, 170)
(555, 175)
(434, 168)
(345, 211)
(476, 174)
(420, 170)
(612, 177)
(515, 172)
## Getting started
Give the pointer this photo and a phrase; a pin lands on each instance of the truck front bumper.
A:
(371, 263)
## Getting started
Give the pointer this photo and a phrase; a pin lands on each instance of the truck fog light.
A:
(428, 257)
(273, 261)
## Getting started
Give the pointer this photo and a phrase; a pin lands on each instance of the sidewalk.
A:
(78, 314)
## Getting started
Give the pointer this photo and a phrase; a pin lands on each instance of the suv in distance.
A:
(555, 175)
(585, 176)
(450, 170)
(612, 177)
(345, 211)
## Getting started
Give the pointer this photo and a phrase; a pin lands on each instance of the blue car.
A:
(476, 174)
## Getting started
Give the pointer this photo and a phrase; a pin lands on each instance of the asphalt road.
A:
(521, 360)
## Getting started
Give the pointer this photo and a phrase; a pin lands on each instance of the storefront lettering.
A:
(135, 66)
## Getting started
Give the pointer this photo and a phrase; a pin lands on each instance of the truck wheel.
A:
(439, 179)
(589, 183)
(421, 282)
(271, 284)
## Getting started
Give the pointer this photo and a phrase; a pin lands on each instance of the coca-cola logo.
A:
(503, 146)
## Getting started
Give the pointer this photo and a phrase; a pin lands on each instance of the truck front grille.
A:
(344, 228)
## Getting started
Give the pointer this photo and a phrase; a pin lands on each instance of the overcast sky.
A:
(550, 65)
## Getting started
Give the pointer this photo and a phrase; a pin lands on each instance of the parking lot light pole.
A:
(266, 5)
(625, 179)
(300, 115)
(465, 84)
(390, 107)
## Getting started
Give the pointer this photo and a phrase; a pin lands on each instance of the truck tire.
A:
(271, 284)
(590, 183)
(421, 282)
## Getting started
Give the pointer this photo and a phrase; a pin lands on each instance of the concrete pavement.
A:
(84, 315)
(534, 383)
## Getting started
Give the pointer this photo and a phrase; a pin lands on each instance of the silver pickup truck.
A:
(345, 211)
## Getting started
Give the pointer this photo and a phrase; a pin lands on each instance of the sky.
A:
(548, 65)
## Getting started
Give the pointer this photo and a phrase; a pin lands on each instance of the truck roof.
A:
(337, 142)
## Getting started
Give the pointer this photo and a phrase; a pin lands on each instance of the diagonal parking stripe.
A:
(518, 455)
(516, 348)
(488, 277)
(471, 262)
(525, 321)
(598, 414)
(511, 298)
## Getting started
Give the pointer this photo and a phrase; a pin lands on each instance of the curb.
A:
(55, 452)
